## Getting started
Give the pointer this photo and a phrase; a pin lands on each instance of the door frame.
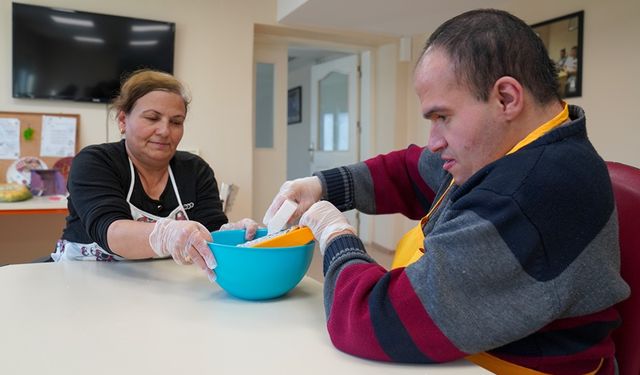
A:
(278, 36)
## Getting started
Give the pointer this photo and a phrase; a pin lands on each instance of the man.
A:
(570, 67)
(562, 59)
(515, 263)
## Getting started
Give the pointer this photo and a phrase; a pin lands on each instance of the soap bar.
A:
(282, 216)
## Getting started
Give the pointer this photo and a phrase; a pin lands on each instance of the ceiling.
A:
(413, 17)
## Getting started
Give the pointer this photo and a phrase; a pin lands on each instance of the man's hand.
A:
(304, 191)
(326, 222)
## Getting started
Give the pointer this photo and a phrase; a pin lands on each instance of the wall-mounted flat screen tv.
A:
(81, 56)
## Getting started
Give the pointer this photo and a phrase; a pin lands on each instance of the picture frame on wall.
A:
(294, 105)
(562, 36)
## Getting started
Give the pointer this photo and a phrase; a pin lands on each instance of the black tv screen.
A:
(81, 56)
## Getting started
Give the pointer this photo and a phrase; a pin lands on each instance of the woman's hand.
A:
(185, 241)
(249, 225)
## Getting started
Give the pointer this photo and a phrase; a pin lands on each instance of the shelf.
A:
(55, 204)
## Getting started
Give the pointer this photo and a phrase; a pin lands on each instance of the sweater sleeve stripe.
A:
(570, 336)
(391, 333)
(584, 363)
(610, 314)
(339, 184)
(565, 342)
(349, 322)
(373, 315)
(424, 332)
(424, 194)
(391, 173)
(571, 346)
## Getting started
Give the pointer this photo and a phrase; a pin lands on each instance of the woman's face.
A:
(154, 127)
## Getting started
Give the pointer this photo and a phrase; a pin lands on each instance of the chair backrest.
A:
(228, 194)
(626, 189)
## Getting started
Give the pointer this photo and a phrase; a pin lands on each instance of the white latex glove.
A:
(304, 191)
(325, 221)
(247, 224)
(185, 241)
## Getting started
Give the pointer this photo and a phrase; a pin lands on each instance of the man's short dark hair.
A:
(487, 44)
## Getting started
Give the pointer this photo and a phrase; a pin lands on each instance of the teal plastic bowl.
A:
(256, 273)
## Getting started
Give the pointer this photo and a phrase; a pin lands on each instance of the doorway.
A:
(301, 59)
(292, 62)
(383, 117)
(328, 133)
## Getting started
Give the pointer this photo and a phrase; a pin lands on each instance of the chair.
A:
(228, 193)
(626, 189)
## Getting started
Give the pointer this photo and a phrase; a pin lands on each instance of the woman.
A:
(140, 198)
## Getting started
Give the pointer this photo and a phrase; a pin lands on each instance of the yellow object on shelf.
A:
(294, 236)
(14, 192)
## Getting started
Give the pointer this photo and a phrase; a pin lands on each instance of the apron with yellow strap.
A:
(409, 250)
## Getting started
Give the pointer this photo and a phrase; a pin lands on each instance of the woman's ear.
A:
(510, 95)
(121, 117)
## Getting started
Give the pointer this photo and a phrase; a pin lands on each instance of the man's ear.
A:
(510, 96)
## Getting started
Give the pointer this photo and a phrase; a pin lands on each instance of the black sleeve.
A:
(98, 184)
(207, 205)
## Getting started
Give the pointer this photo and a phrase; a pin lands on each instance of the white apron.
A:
(67, 250)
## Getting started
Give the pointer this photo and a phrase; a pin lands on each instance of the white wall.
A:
(390, 113)
(213, 57)
(269, 164)
(610, 80)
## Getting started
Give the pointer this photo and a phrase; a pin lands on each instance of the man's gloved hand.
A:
(304, 191)
(325, 221)
(247, 224)
(185, 241)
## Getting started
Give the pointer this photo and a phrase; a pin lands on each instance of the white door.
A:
(334, 113)
(335, 116)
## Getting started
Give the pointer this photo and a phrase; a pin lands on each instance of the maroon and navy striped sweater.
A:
(521, 261)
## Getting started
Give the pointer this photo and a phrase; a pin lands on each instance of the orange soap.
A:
(294, 236)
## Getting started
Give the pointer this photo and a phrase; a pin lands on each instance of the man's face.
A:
(467, 132)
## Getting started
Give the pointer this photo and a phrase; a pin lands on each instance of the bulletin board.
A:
(32, 146)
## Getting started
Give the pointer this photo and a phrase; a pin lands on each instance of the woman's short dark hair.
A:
(142, 82)
(487, 44)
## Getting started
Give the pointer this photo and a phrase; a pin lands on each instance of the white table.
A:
(155, 317)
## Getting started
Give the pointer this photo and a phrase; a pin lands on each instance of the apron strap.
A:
(502, 367)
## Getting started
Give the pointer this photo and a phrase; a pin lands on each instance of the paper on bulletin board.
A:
(58, 136)
(9, 138)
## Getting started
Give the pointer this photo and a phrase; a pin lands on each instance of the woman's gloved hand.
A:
(247, 224)
(325, 221)
(304, 191)
(185, 241)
